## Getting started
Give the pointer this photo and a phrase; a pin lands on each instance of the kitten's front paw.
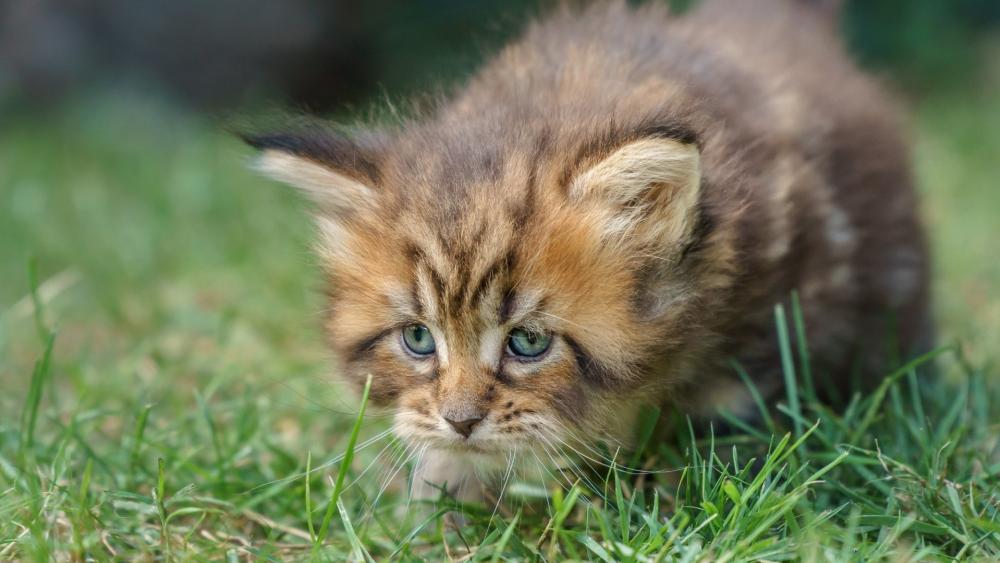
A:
(447, 478)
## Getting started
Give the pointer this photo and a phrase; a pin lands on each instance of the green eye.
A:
(528, 344)
(418, 340)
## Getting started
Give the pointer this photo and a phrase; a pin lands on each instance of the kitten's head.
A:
(506, 291)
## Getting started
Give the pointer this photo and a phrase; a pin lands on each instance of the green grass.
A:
(164, 390)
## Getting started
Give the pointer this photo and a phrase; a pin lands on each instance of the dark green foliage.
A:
(926, 42)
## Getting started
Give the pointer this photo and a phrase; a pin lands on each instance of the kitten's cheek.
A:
(387, 380)
(565, 393)
(383, 393)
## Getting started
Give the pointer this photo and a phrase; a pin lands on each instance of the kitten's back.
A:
(807, 182)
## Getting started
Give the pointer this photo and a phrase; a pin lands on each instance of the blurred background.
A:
(151, 237)
(328, 55)
(117, 176)
(181, 287)
(110, 128)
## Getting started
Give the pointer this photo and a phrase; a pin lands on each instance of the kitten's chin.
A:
(485, 448)
(477, 448)
(485, 458)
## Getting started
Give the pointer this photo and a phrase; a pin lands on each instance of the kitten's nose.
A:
(464, 427)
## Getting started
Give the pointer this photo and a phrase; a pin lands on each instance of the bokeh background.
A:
(116, 171)
(181, 286)
(328, 56)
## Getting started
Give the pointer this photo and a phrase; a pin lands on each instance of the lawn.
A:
(165, 392)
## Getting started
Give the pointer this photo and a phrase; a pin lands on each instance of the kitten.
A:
(605, 216)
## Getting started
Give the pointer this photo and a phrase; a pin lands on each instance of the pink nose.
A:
(464, 427)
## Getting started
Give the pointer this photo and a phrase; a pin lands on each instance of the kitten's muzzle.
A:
(465, 425)
(462, 401)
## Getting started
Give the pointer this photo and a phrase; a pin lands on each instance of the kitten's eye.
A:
(418, 340)
(528, 344)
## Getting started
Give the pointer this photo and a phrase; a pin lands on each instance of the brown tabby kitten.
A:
(605, 216)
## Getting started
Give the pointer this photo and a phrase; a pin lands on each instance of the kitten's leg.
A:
(446, 473)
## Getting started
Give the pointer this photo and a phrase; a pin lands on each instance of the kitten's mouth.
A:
(465, 446)
(473, 445)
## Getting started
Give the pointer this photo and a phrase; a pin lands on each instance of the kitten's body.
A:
(644, 189)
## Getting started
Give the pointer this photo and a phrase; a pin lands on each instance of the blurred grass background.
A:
(176, 278)
(115, 173)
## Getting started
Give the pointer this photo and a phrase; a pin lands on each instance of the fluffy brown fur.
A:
(641, 188)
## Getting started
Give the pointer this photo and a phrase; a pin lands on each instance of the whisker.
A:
(395, 468)
(606, 461)
(400, 459)
(371, 463)
(568, 466)
(503, 485)
(416, 471)
(554, 464)
(331, 461)
(539, 467)
(542, 466)
(573, 467)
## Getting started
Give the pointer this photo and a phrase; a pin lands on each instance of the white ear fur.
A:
(654, 181)
(330, 190)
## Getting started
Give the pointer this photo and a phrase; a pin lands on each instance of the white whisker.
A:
(503, 485)
(371, 464)
(572, 467)
(395, 468)
(332, 461)
(606, 461)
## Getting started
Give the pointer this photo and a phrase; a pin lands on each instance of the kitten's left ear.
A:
(647, 187)
(338, 173)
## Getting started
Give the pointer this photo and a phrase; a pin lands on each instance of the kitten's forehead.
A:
(463, 270)
(467, 214)
(447, 169)
(490, 238)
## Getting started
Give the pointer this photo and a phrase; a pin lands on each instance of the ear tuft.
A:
(332, 191)
(334, 171)
(650, 185)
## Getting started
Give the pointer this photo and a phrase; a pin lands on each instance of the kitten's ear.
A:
(339, 174)
(648, 187)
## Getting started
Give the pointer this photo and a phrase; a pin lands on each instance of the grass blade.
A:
(788, 367)
(338, 486)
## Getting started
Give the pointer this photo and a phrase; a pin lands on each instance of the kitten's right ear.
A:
(337, 173)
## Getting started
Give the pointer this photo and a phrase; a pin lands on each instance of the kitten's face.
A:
(482, 330)
(502, 308)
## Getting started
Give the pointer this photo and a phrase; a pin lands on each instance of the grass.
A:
(164, 389)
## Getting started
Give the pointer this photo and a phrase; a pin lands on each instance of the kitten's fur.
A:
(643, 187)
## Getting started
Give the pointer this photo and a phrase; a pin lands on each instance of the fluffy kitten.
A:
(605, 216)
